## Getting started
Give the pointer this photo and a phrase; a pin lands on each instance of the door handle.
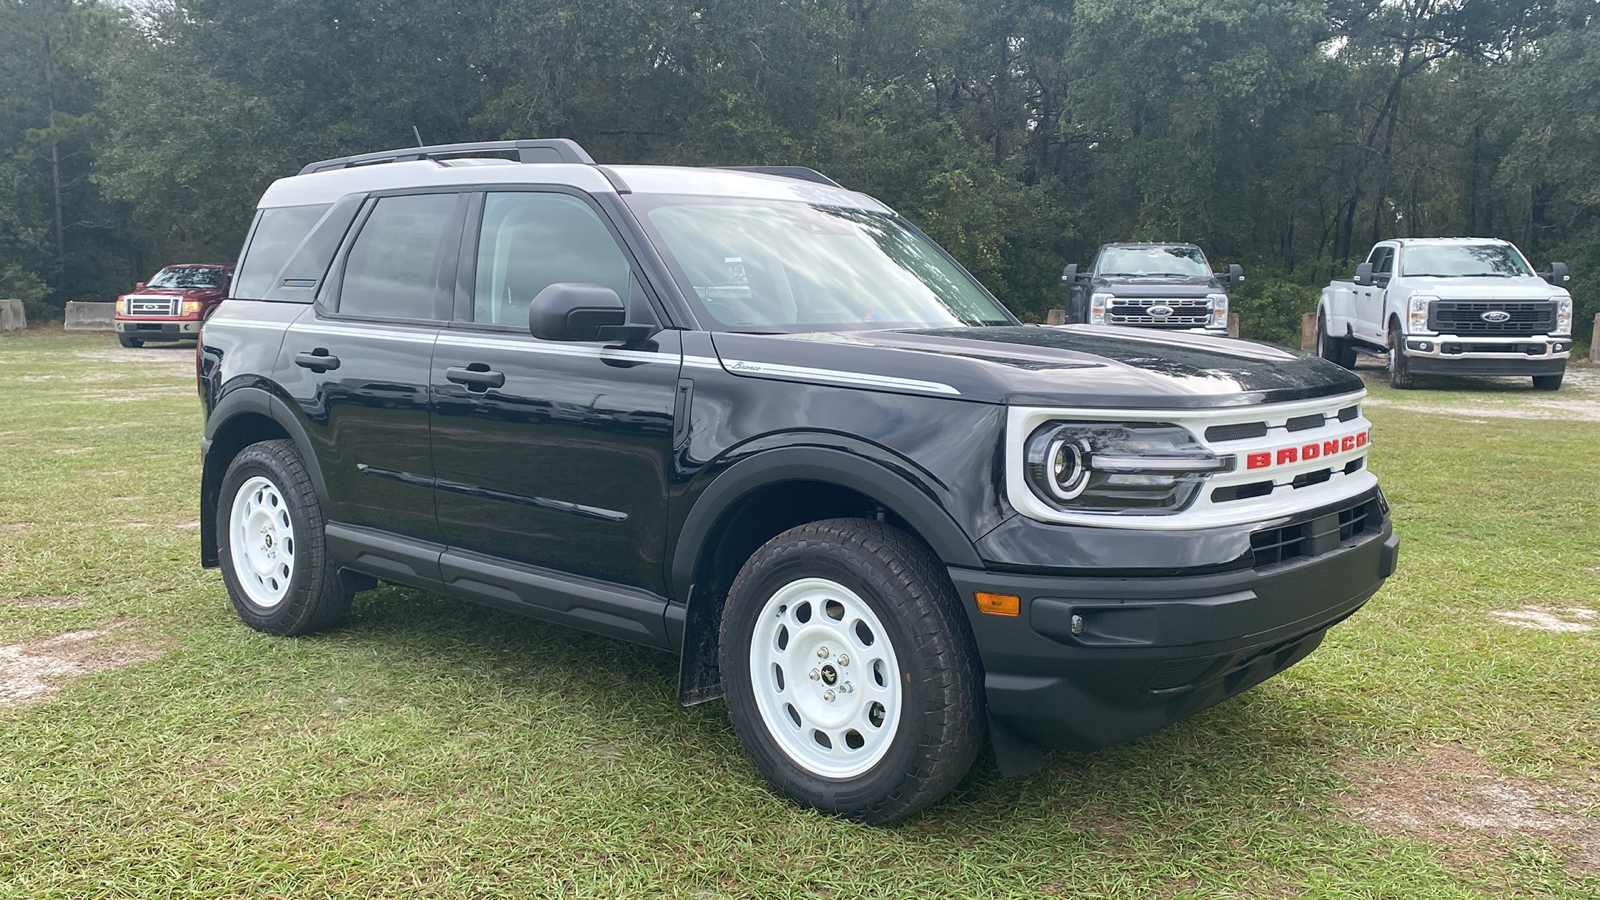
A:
(318, 360)
(476, 376)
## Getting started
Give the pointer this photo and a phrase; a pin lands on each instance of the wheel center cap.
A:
(830, 675)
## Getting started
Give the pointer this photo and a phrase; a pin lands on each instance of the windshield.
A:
(1143, 262)
(1464, 261)
(785, 266)
(187, 277)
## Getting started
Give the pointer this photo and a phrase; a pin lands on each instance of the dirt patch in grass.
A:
(1451, 797)
(34, 671)
(148, 355)
(1557, 619)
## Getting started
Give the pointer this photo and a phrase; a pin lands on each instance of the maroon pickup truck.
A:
(171, 306)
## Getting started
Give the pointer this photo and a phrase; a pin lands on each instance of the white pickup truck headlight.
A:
(1418, 314)
(1563, 314)
(1098, 304)
(1218, 305)
(1123, 468)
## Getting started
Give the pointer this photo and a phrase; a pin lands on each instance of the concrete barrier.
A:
(1594, 342)
(1055, 317)
(83, 315)
(12, 316)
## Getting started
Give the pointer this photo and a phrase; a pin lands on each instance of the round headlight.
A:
(1069, 472)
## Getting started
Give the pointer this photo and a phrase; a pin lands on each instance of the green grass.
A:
(435, 748)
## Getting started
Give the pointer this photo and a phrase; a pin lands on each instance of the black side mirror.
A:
(1557, 275)
(1236, 274)
(582, 312)
(1364, 274)
(1069, 275)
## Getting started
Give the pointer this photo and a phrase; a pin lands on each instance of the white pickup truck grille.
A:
(1483, 317)
(1286, 458)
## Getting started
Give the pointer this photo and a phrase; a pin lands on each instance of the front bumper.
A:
(1092, 662)
(1448, 354)
(158, 329)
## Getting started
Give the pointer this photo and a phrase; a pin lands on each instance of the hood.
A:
(171, 292)
(1484, 287)
(1183, 286)
(1030, 365)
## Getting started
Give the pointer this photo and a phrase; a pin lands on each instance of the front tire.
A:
(132, 343)
(1399, 368)
(273, 552)
(1548, 382)
(850, 672)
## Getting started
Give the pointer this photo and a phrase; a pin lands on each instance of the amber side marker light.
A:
(998, 604)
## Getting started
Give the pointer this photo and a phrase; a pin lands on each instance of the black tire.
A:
(938, 725)
(1399, 368)
(1548, 382)
(1338, 351)
(306, 594)
(132, 343)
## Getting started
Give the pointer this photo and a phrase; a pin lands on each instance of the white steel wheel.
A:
(262, 542)
(826, 679)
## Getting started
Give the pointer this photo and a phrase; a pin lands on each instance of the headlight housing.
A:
(1563, 314)
(1417, 314)
(191, 307)
(1218, 305)
(1118, 468)
(1098, 304)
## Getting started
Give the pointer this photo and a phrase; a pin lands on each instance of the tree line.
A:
(1286, 135)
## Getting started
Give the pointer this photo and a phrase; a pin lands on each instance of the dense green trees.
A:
(1283, 134)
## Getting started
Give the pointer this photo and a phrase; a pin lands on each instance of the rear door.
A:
(553, 454)
(357, 362)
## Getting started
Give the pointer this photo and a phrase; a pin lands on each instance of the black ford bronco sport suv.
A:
(761, 421)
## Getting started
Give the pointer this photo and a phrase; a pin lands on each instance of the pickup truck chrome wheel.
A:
(826, 679)
(270, 543)
(849, 670)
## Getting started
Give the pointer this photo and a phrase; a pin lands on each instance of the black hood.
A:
(1072, 365)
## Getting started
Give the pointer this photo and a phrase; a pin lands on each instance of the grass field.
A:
(1444, 742)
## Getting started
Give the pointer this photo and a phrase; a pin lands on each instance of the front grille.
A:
(1189, 312)
(1314, 537)
(159, 306)
(1465, 317)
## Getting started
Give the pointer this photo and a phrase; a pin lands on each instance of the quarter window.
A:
(278, 232)
(396, 268)
(533, 240)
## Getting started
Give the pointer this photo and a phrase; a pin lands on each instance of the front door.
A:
(552, 453)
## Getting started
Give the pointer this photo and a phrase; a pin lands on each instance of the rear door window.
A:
(402, 264)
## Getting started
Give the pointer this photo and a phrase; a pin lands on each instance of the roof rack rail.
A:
(549, 150)
(800, 172)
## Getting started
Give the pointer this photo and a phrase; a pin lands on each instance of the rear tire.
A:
(1335, 350)
(850, 672)
(273, 552)
(1548, 382)
(132, 343)
(1399, 369)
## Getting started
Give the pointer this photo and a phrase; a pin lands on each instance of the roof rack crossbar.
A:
(800, 172)
(549, 150)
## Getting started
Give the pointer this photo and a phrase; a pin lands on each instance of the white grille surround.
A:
(153, 305)
(1207, 510)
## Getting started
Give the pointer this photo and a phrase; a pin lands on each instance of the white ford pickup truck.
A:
(1450, 306)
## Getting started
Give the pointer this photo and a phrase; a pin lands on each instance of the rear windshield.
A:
(786, 266)
(187, 277)
(1464, 261)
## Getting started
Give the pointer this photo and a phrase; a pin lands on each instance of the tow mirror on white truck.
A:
(1557, 275)
(1364, 275)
